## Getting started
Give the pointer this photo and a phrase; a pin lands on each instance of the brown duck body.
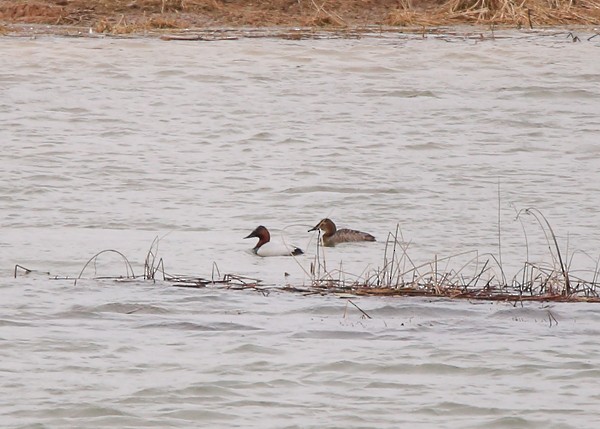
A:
(333, 236)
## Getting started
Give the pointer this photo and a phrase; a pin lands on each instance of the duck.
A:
(333, 236)
(265, 247)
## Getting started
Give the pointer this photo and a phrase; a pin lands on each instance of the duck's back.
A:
(347, 236)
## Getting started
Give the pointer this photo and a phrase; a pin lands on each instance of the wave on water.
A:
(189, 326)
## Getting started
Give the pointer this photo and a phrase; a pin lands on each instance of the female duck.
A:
(265, 247)
(333, 236)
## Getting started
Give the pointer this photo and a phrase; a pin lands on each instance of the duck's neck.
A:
(263, 239)
(329, 229)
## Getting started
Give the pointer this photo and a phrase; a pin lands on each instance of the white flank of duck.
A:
(265, 247)
(333, 236)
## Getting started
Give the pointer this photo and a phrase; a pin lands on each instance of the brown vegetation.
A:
(126, 16)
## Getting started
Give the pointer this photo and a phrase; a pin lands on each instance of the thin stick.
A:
(394, 253)
(27, 270)
(560, 260)
(93, 258)
(500, 235)
(360, 309)
(215, 267)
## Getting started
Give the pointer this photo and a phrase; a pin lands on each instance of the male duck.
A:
(265, 247)
(333, 236)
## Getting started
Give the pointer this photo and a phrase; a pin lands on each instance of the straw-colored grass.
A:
(123, 26)
(524, 12)
(138, 16)
(468, 275)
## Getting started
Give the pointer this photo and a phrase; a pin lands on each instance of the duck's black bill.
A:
(313, 229)
(252, 234)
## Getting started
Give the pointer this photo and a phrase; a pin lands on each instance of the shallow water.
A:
(108, 144)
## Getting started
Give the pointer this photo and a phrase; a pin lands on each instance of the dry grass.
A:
(524, 12)
(123, 26)
(132, 16)
(478, 276)
(408, 15)
(517, 13)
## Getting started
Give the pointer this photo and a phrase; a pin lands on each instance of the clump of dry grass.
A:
(123, 26)
(519, 13)
(324, 17)
(30, 12)
(400, 276)
(524, 12)
(408, 16)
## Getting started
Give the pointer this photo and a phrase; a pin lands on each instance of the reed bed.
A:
(467, 275)
(481, 276)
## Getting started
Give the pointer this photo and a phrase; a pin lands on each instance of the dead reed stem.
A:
(539, 217)
(27, 270)
(94, 258)
(360, 309)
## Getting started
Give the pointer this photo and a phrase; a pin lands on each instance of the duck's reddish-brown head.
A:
(262, 234)
(325, 225)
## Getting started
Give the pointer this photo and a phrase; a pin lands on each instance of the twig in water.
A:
(27, 270)
(160, 265)
(477, 277)
(150, 259)
(435, 272)
(128, 266)
(393, 254)
(596, 270)
(215, 267)
(563, 268)
(524, 232)
(500, 236)
(360, 309)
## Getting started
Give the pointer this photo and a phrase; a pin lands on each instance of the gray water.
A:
(107, 144)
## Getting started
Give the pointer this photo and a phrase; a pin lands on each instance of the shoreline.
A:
(289, 18)
(571, 33)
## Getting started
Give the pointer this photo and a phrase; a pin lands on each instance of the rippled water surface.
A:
(107, 144)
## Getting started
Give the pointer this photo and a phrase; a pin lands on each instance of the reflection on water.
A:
(109, 143)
